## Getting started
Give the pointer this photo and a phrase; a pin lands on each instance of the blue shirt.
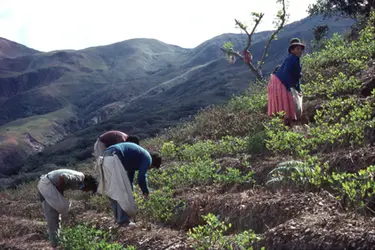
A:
(133, 158)
(290, 72)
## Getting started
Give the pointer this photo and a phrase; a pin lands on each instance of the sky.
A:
(47, 25)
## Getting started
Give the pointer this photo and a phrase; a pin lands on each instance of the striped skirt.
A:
(279, 99)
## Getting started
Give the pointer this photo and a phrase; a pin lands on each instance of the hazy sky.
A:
(48, 25)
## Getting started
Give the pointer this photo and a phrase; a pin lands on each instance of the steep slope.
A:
(12, 49)
(213, 81)
(39, 85)
(221, 185)
(139, 85)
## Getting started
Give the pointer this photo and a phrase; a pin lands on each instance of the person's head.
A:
(133, 138)
(90, 184)
(296, 47)
(156, 160)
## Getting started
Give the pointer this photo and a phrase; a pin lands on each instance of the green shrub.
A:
(233, 175)
(211, 236)
(357, 187)
(307, 174)
(87, 238)
(253, 100)
(204, 149)
(195, 173)
(340, 123)
(160, 206)
(256, 142)
(340, 55)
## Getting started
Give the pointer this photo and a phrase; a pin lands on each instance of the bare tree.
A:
(281, 18)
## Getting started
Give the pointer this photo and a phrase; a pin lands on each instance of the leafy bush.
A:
(195, 173)
(198, 172)
(211, 236)
(233, 175)
(256, 142)
(87, 238)
(340, 123)
(340, 84)
(340, 55)
(308, 174)
(203, 149)
(353, 189)
(281, 139)
(160, 206)
(357, 187)
(253, 100)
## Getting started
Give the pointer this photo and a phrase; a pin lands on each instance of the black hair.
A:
(156, 160)
(277, 67)
(91, 183)
(133, 138)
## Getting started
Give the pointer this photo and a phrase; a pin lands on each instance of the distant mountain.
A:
(9, 49)
(56, 103)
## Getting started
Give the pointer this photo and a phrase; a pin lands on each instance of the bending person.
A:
(51, 189)
(117, 172)
(111, 138)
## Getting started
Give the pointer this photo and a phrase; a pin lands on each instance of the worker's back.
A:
(130, 154)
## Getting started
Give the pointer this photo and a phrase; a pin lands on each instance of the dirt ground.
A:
(285, 219)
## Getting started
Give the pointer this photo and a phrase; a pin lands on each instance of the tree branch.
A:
(243, 27)
(228, 46)
(250, 65)
(282, 17)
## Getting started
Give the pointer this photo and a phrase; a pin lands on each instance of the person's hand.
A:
(300, 93)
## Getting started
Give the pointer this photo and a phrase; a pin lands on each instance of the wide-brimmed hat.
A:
(294, 42)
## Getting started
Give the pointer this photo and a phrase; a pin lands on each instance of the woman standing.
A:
(284, 88)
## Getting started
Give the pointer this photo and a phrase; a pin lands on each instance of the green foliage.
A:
(211, 236)
(204, 149)
(160, 206)
(354, 189)
(340, 123)
(307, 174)
(281, 139)
(99, 203)
(339, 55)
(340, 84)
(169, 149)
(256, 142)
(228, 46)
(252, 101)
(233, 175)
(86, 238)
(196, 173)
(349, 8)
(357, 187)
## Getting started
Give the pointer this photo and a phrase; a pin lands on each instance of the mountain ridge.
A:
(139, 85)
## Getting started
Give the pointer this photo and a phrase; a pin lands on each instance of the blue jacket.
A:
(290, 72)
(133, 158)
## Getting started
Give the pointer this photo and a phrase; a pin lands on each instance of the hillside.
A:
(9, 49)
(140, 86)
(222, 184)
